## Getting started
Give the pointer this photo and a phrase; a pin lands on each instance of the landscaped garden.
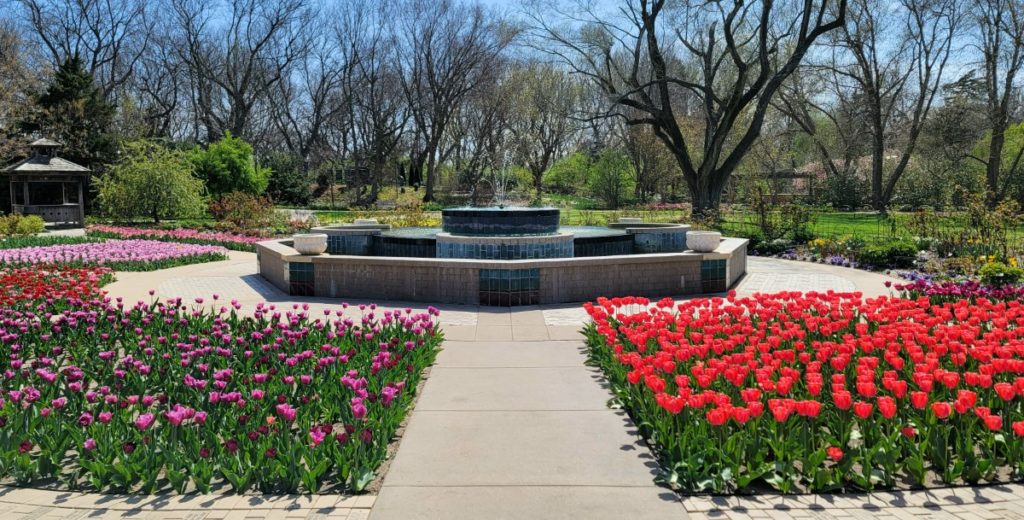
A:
(819, 392)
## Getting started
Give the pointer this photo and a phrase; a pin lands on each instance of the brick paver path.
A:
(510, 424)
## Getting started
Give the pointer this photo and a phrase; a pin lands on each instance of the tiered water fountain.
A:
(502, 256)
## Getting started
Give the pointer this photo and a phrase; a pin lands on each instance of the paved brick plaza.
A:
(510, 424)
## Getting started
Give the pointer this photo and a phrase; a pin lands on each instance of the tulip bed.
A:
(185, 236)
(120, 255)
(105, 396)
(819, 392)
(50, 285)
(952, 291)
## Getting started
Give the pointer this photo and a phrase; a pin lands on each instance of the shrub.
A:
(29, 225)
(228, 165)
(896, 253)
(150, 181)
(240, 211)
(611, 179)
(998, 274)
(288, 183)
(568, 174)
(21, 225)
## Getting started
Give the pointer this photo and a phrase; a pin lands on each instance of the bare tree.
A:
(824, 104)
(303, 103)
(896, 61)
(657, 57)
(480, 130)
(110, 36)
(17, 81)
(236, 56)
(1000, 39)
(160, 85)
(653, 165)
(375, 96)
(445, 47)
(547, 108)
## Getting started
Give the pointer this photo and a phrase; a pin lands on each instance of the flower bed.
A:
(819, 392)
(951, 291)
(126, 398)
(28, 286)
(120, 255)
(185, 236)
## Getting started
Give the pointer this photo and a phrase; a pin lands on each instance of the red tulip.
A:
(842, 400)
(835, 453)
(942, 410)
(994, 422)
(862, 409)
(1018, 428)
(887, 407)
(1006, 391)
(919, 400)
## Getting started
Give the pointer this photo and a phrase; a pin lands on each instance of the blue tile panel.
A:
(500, 222)
(509, 287)
(561, 249)
(300, 279)
(404, 247)
(654, 242)
(603, 246)
(713, 276)
(360, 245)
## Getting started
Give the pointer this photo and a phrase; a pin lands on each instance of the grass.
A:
(42, 241)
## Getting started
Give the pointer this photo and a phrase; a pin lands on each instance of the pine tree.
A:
(72, 110)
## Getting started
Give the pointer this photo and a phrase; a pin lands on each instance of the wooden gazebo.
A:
(48, 186)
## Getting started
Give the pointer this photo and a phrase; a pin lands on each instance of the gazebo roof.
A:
(44, 164)
(44, 143)
(44, 161)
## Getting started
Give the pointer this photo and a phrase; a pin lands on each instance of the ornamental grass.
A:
(819, 392)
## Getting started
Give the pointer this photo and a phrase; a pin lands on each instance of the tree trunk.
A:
(878, 200)
(538, 182)
(707, 198)
(428, 194)
(995, 163)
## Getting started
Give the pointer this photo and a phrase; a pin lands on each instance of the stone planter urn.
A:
(703, 241)
(310, 243)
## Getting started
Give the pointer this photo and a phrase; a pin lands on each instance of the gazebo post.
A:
(81, 204)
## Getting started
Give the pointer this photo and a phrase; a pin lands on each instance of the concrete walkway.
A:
(519, 430)
(510, 425)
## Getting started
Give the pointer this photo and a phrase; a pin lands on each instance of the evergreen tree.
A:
(72, 110)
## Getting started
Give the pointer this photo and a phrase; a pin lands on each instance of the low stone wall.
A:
(502, 282)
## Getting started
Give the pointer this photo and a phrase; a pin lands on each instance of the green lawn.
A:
(826, 224)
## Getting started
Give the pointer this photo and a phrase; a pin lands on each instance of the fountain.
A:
(505, 256)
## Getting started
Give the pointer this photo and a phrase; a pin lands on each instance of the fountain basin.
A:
(505, 257)
(500, 221)
(502, 282)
